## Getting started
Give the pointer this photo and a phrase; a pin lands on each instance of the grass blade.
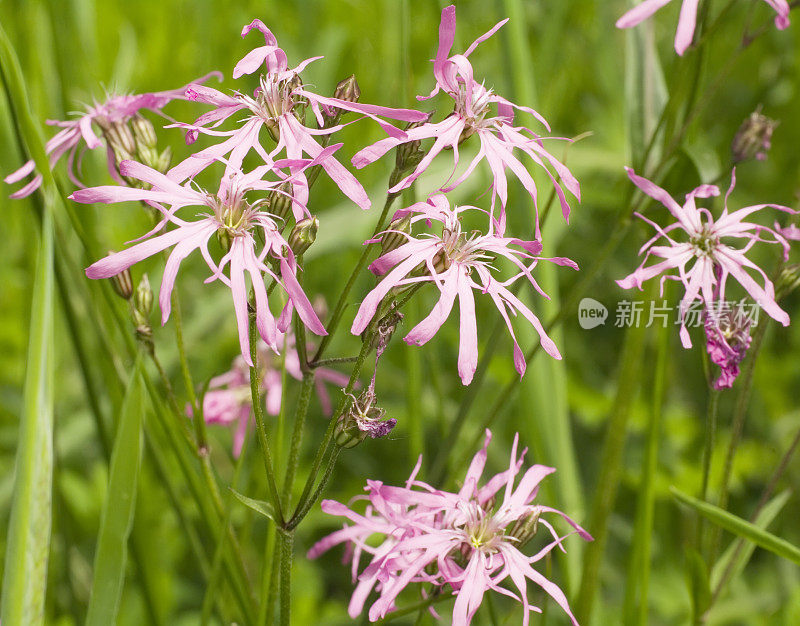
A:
(115, 524)
(736, 556)
(738, 526)
(28, 544)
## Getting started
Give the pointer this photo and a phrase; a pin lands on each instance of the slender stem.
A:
(258, 411)
(341, 303)
(197, 413)
(739, 416)
(708, 452)
(323, 483)
(304, 504)
(297, 436)
(212, 587)
(272, 588)
(332, 361)
(287, 549)
(640, 566)
(609, 475)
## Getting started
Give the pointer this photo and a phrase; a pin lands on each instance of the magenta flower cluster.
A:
(469, 541)
(460, 262)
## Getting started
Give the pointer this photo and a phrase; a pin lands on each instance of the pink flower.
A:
(688, 18)
(468, 540)
(472, 115)
(116, 109)
(228, 399)
(712, 261)
(278, 105)
(789, 232)
(229, 214)
(727, 341)
(457, 263)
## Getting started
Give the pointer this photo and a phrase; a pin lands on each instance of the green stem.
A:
(214, 579)
(255, 396)
(287, 548)
(609, 475)
(640, 566)
(341, 303)
(297, 436)
(304, 504)
(708, 452)
(739, 416)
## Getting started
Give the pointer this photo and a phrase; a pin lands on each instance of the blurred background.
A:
(568, 61)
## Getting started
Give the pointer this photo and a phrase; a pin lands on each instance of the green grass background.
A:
(573, 68)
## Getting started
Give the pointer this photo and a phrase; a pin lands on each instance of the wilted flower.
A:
(468, 540)
(457, 262)
(117, 109)
(228, 214)
(228, 399)
(275, 106)
(688, 18)
(363, 419)
(727, 341)
(712, 260)
(473, 115)
(754, 138)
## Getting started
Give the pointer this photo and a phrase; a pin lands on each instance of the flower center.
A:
(273, 99)
(473, 110)
(704, 243)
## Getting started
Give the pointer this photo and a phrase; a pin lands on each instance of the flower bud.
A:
(143, 299)
(303, 235)
(348, 89)
(788, 281)
(409, 154)
(754, 138)
(144, 132)
(119, 137)
(163, 161)
(524, 529)
(280, 201)
(122, 283)
(142, 307)
(395, 237)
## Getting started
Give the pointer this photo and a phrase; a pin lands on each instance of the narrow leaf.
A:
(111, 554)
(738, 526)
(259, 506)
(738, 554)
(28, 543)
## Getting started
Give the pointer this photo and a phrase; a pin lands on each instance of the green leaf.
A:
(111, 554)
(738, 526)
(763, 520)
(28, 542)
(259, 506)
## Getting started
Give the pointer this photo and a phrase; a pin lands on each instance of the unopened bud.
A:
(524, 529)
(348, 89)
(143, 299)
(122, 283)
(303, 235)
(144, 132)
(408, 155)
(788, 281)
(162, 163)
(754, 138)
(120, 138)
(280, 201)
(395, 235)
